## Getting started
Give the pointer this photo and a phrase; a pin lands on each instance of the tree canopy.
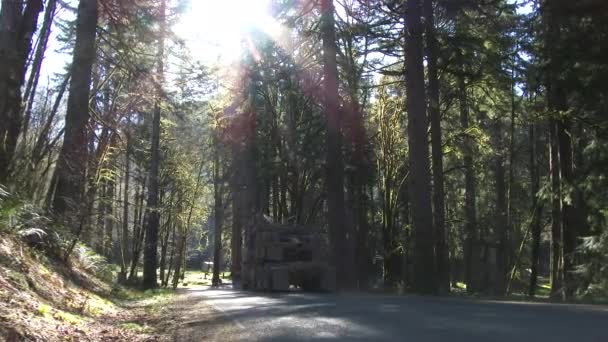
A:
(439, 145)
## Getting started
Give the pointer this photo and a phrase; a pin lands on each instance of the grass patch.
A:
(97, 306)
(130, 294)
(152, 302)
(136, 327)
(47, 311)
(69, 317)
(201, 278)
(44, 310)
(197, 278)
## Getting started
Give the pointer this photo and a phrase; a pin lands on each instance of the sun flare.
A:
(214, 30)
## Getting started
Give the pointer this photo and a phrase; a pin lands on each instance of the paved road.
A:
(248, 316)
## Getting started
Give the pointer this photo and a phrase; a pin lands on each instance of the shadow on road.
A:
(305, 316)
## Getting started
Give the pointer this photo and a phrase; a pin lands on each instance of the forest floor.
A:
(42, 299)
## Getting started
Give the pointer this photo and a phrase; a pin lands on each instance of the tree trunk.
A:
(181, 254)
(556, 214)
(138, 232)
(441, 241)
(90, 188)
(164, 245)
(100, 245)
(562, 169)
(471, 243)
(500, 216)
(569, 212)
(32, 82)
(237, 218)
(513, 236)
(151, 243)
(41, 146)
(165, 281)
(424, 280)
(241, 182)
(390, 238)
(124, 240)
(71, 164)
(164, 229)
(363, 251)
(340, 232)
(108, 202)
(17, 27)
(218, 208)
(536, 226)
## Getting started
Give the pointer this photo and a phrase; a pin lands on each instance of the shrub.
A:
(594, 270)
(94, 263)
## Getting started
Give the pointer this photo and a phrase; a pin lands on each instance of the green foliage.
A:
(135, 327)
(94, 263)
(44, 310)
(9, 206)
(29, 223)
(593, 251)
(18, 278)
(69, 317)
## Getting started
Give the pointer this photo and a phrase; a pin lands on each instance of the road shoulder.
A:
(197, 320)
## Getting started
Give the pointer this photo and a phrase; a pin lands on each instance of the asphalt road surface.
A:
(249, 316)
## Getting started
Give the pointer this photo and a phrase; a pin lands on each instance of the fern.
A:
(9, 204)
(93, 263)
(594, 250)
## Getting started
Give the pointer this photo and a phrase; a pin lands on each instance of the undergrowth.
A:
(45, 296)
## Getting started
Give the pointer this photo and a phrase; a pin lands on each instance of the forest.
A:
(441, 146)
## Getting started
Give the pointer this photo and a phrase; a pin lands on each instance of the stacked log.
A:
(278, 257)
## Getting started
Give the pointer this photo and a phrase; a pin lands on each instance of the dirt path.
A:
(199, 321)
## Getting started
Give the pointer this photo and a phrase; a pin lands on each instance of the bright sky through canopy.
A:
(214, 29)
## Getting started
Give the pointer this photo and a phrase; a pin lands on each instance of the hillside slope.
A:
(42, 299)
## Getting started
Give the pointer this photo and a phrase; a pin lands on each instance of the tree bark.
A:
(180, 254)
(108, 202)
(218, 209)
(237, 216)
(501, 229)
(138, 232)
(569, 212)
(556, 214)
(513, 236)
(71, 164)
(41, 146)
(153, 221)
(32, 82)
(536, 209)
(101, 233)
(341, 237)
(17, 27)
(471, 243)
(165, 281)
(564, 214)
(424, 280)
(124, 237)
(164, 244)
(441, 241)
